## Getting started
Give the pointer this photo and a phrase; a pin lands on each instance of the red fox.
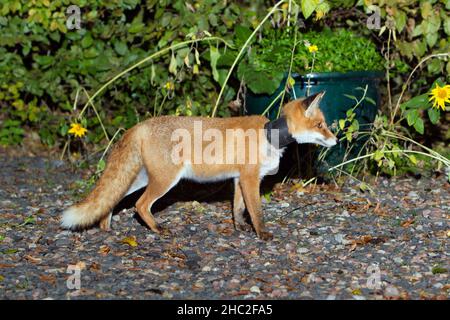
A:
(150, 154)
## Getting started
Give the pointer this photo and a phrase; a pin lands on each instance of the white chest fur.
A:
(269, 160)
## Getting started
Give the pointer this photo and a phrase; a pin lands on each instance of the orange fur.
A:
(149, 145)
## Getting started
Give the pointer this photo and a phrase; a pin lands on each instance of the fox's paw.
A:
(264, 235)
(243, 227)
(165, 233)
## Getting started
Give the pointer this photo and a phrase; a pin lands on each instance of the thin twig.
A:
(274, 8)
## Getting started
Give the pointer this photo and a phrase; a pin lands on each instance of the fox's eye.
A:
(319, 125)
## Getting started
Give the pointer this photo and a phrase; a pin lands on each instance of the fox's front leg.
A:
(239, 208)
(249, 182)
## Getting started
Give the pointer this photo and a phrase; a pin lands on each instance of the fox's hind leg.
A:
(105, 223)
(157, 187)
(239, 208)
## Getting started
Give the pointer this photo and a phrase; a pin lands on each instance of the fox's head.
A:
(306, 123)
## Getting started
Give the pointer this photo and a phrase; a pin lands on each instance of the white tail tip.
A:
(71, 218)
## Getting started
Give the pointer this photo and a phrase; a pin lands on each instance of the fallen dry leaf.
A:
(131, 241)
(50, 278)
(225, 231)
(380, 211)
(368, 205)
(364, 240)
(104, 250)
(95, 267)
(174, 254)
(241, 293)
(32, 259)
(356, 292)
(297, 187)
(407, 223)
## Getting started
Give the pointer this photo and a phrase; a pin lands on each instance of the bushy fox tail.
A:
(122, 167)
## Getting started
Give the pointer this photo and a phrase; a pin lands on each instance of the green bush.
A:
(338, 51)
(43, 65)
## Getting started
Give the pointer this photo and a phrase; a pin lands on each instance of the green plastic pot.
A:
(335, 103)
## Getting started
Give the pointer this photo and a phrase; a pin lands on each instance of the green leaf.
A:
(371, 101)
(447, 25)
(91, 53)
(101, 165)
(400, 20)
(363, 187)
(44, 60)
(10, 251)
(214, 57)
(426, 9)
(222, 75)
(137, 25)
(87, 41)
(349, 136)
(435, 66)
(416, 102)
(351, 97)
(419, 126)
(378, 155)
(136, 28)
(242, 33)
(434, 115)
(355, 125)
(173, 65)
(412, 116)
(342, 124)
(308, 7)
(260, 81)
(431, 39)
(438, 270)
(413, 159)
(120, 47)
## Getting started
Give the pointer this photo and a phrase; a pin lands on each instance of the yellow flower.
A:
(313, 48)
(319, 15)
(291, 81)
(77, 130)
(169, 85)
(441, 96)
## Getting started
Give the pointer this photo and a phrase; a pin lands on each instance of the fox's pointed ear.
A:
(312, 102)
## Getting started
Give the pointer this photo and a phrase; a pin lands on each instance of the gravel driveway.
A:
(329, 242)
